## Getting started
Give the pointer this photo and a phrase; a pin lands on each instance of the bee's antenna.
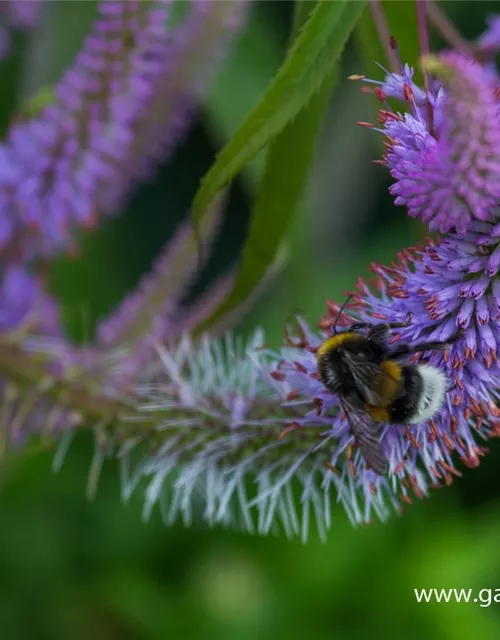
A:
(340, 313)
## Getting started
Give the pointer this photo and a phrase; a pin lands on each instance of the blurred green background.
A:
(70, 568)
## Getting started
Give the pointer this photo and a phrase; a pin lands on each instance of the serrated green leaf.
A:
(287, 167)
(309, 62)
(245, 76)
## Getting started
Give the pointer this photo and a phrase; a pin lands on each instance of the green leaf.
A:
(287, 167)
(245, 76)
(309, 62)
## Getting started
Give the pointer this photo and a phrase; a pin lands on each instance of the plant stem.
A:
(423, 35)
(24, 369)
(447, 29)
(384, 34)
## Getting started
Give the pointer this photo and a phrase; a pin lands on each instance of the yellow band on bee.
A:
(379, 414)
(333, 342)
(387, 384)
(392, 369)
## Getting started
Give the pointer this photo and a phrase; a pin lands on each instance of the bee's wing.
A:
(365, 374)
(366, 432)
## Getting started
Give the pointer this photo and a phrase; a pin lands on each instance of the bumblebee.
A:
(375, 384)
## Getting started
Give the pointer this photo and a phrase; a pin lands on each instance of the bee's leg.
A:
(361, 325)
(385, 327)
(379, 333)
(382, 326)
(405, 349)
(397, 325)
(379, 327)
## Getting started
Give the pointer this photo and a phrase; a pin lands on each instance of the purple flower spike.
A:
(457, 179)
(227, 427)
(119, 110)
(445, 154)
(169, 73)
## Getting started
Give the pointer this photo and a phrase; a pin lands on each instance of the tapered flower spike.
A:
(222, 420)
(178, 78)
(462, 170)
(233, 414)
(445, 153)
(118, 111)
(236, 428)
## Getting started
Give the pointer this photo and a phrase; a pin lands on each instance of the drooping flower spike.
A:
(118, 111)
(290, 406)
(222, 444)
(243, 426)
(236, 428)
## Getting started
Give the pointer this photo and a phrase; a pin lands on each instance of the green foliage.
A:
(244, 76)
(308, 63)
(93, 569)
(286, 169)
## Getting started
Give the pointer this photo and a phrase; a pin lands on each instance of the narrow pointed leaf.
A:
(308, 63)
(287, 167)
